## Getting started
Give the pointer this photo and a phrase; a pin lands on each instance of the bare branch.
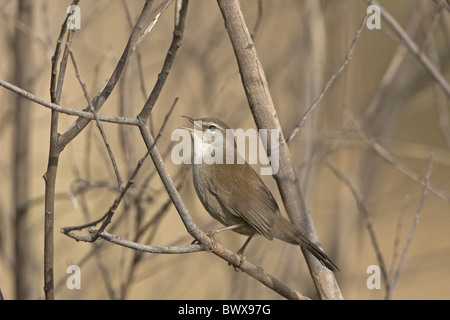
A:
(170, 57)
(265, 115)
(415, 50)
(72, 112)
(392, 160)
(146, 248)
(106, 218)
(55, 150)
(412, 230)
(54, 96)
(333, 77)
(152, 24)
(365, 212)
(396, 245)
(94, 112)
(105, 92)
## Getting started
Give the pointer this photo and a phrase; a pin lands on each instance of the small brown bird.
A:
(235, 195)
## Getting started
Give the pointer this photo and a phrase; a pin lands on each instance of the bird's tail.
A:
(288, 232)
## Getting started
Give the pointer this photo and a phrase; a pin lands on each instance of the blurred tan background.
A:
(301, 44)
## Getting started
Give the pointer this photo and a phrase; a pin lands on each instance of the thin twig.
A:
(155, 222)
(166, 119)
(415, 50)
(152, 24)
(167, 66)
(412, 230)
(106, 218)
(398, 229)
(69, 111)
(139, 66)
(385, 154)
(365, 212)
(94, 112)
(386, 82)
(98, 101)
(333, 77)
(147, 248)
(55, 58)
(258, 20)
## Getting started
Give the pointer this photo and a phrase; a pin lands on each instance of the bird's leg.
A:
(240, 252)
(213, 232)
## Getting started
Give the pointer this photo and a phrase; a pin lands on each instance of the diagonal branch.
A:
(168, 62)
(394, 279)
(97, 121)
(365, 212)
(103, 95)
(415, 50)
(265, 115)
(386, 155)
(333, 77)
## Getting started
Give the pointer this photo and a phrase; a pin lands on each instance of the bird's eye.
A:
(212, 127)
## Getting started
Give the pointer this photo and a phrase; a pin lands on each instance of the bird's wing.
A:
(253, 202)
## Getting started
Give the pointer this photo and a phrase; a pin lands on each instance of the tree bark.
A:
(265, 115)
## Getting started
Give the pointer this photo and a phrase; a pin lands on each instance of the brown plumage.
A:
(235, 194)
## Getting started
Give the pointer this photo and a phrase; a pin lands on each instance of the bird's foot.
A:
(212, 245)
(237, 266)
(213, 242)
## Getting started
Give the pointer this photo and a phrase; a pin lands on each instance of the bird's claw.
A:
(237, 267)
(212, 244)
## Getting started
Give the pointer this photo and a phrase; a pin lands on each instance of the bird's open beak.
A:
(189, 118)
(192, 121)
